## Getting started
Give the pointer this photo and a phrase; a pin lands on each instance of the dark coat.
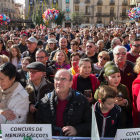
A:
(44, 88)
(108, 126)
(77, 113)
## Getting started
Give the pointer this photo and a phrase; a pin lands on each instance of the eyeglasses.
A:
(34, 72)
(89, 46)
(15, 39)
(136, 45)
(60, 79)
(42, 35)
(40, 57)
(72, 44)
(103, 58)
(123, 53)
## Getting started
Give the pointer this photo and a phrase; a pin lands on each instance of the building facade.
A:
(85, 7)
(67, 6)
(110, 10)
(14, 11)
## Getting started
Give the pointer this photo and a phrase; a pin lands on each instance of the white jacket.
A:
(19, 104)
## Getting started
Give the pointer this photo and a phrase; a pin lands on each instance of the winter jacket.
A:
(95, 82)
(135, 91)
(19, 104)
(108, 126)
(45, 87)
(77, 112)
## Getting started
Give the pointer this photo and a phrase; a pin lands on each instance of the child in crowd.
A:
(108, 114)
(15, 56)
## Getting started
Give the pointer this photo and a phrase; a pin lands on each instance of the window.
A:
(67, 8)
(77, 8)
(87, 9)
(99, 20)
(111, 10)
(99, 10)
(67, 17)
(111, 19)
(124, 11)
(67, 1)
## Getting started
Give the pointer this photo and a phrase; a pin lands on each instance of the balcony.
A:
(67, 10)
(99, 22)
(76, 1)
(99, 2)
(123, 15)
(87, 14)
(105, 14)
(87, 1)
(124, 3)
(112, 3)
(5, 9)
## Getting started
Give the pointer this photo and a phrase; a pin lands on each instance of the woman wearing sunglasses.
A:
(103, 57)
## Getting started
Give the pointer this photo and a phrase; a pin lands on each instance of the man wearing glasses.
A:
(125, 67)
(37, 87)
(90, 52)
(67, 110)
(133, 54)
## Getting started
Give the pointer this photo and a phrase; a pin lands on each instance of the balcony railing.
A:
(76, 1)
(99, 2)
(137, 1)
(87, 1)
(105, 14)
(87, 13)
(123, 15)
(67, 1)
(124, 3)
(112, 3)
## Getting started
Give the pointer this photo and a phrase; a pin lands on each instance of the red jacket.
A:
(94, 81)
(135, 91)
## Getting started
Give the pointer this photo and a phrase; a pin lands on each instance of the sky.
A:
(20, 1)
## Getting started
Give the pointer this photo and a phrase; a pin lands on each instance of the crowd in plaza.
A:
(55, 75)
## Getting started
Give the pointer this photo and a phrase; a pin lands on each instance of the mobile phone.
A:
(36, 105)
(88, 93)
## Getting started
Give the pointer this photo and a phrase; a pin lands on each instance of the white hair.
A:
(100, 41)
(115, 50)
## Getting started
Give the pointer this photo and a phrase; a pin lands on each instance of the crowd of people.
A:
(54, 76)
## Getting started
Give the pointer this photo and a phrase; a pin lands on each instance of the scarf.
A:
(73, 72)
(6, 94)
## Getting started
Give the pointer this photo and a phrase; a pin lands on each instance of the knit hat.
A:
(110, 68)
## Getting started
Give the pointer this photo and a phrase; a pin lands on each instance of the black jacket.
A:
(77, 112)
(22, 48)
(108, 126)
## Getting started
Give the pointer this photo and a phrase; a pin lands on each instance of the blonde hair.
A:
(5, 58)
(137, 66)
(66, 57)
(104, 53)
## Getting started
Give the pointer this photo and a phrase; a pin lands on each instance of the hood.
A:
(137, 80)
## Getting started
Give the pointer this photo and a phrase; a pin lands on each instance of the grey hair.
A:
(117, 48)
(113, 42)
(64, 70)
(91, 41)
(83, 60)
(100, 41)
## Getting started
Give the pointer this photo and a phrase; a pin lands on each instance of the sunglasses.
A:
(89, 46)
(72, 44)
(136, 45)
(15, 39)
(103, 58)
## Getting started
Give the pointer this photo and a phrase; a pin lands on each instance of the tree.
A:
(77, 18)
(37, 17)
(60, 18)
